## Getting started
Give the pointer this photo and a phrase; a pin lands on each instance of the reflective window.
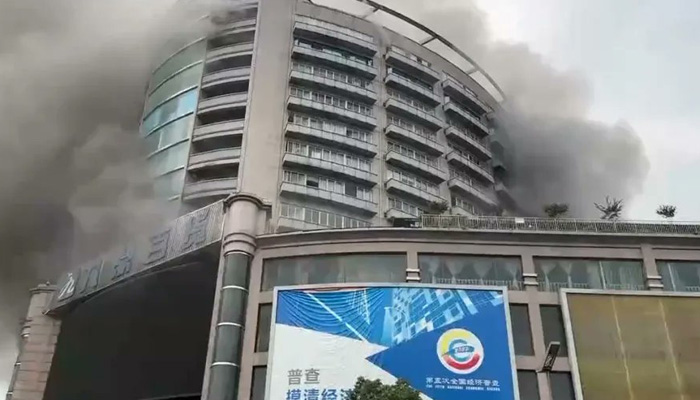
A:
(169, 134)
(522, 335)
(170, 110)
(257, 391)
(169, 185)
(554, 274)
(185, 57)
(169, 159)
(334, 269)
(262, 339)
(561, 385)
(680, 276)
(471, 270)
(183, 80)
(320, 217)
(553, 326)
(527, 385)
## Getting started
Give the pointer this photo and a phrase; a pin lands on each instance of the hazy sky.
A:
(642, 58)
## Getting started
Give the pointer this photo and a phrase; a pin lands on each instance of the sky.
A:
(641, 58)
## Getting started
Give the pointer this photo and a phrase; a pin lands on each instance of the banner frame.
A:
(359, 285)
(568, 328)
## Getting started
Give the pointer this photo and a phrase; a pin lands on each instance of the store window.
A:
(554, 274)
(333, 269)
(471, 270)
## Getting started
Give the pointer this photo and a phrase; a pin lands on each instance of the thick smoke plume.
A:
(72, 181)
(556, 152)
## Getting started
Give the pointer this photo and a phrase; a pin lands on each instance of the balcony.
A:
(234, 32)
(221, 129)
(214, 158)
(505, 195)
(330, 168)
(412, 67)
(454, 110)
(473, 191)
(235, 50)
(417, 140)
(469, 166)
(455, 89)
(335, 112)
(399, 107)
(428, 171)
(328, 57)
(331, 85)
(414, 89)
(404, 189)
(308, 192)
(334, 139)
(225, 102)
(394, 213)
(334, 37)
(225, 76)
(470, 141)
(210, 188)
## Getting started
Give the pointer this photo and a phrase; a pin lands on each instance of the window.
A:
(467, 205)
(185, 57)
(336, 28)
(561, 386)
(528, 386)
(411, 101)
(326, 154)
(412, 153)
(331, 74)
(169, 159)
(680, 276)
(411, 127)
(410, 78)
(403, 206)
(522, 335)
(333, 100)
(169, 134)
(455, 174)
(169, 185)
(333, 269)
(323, 218)
(257, 391)
(553, 326)
(466, 154)
(471, 270)
(185, 79)
(413, 181)
(171, 110)
(262, 340)
(554, 274)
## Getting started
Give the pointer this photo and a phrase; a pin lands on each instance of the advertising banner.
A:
(633, 345)
(447, 343)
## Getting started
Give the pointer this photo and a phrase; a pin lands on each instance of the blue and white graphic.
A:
(447, 343)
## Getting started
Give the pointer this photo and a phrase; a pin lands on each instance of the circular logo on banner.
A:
(460, 351)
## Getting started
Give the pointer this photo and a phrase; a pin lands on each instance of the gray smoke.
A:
(72, 180)
(556, 153)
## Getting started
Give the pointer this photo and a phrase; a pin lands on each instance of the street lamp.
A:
(548, 363)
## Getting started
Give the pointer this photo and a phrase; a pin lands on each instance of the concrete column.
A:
(38, 342)
(245, 217)
(651, 272)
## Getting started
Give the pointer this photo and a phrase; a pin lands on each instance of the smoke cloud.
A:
(73, 74)
(556, 153)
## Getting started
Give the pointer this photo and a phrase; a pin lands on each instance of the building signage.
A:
(181, 236)
(447, 343)
(633, 345)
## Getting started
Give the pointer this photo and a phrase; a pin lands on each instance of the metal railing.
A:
(555, 286)
(512, 285)
(559, 225)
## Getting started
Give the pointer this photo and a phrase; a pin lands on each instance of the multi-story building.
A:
(324, 133)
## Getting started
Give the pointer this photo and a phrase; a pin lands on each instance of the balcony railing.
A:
(581, 226)
(425, 94)
(555, 286)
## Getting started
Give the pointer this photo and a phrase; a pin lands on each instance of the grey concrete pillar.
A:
(246, 216)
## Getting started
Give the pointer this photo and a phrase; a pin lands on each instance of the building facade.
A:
(327, 135)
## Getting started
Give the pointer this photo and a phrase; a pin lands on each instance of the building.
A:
(325, 134)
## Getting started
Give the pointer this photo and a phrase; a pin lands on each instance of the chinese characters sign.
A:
(447, 343)
(183, 235)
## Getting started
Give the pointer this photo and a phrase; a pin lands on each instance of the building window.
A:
(257, 391)
(471, 270)
(332, 100)
(561, 386)
(522, 336)
(403, 206)
(411, 102)
(262, 338)
(553, 326)
(327, 154)
(413, 181)
(527, 385)
(411, 127)
(319, 217)
(553, 274)
(315, 46)
(680, 276)
(333, 269)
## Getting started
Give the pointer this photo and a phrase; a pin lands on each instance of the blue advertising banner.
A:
(447, 343)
